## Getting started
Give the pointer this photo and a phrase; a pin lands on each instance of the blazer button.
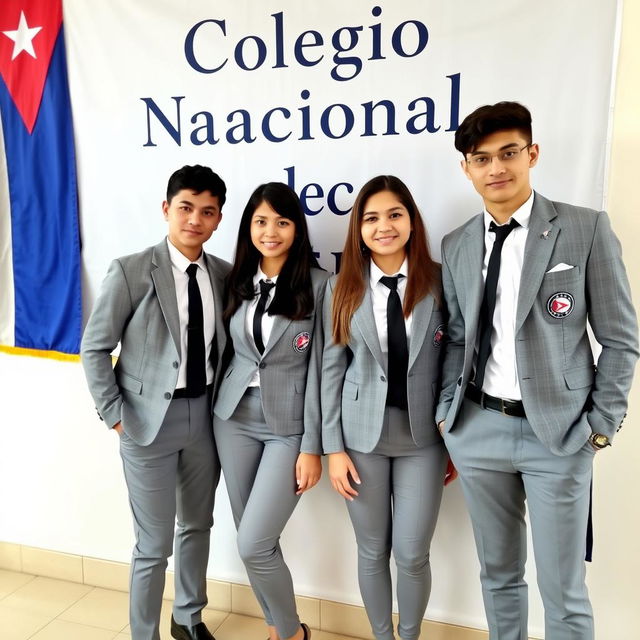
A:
(263, 365)
(175, 364)
(383, 379)
(167, 396)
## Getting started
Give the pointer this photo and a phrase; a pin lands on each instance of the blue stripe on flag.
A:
(44, 216)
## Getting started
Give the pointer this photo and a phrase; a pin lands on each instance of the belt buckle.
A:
(482, 397)
(503, 408)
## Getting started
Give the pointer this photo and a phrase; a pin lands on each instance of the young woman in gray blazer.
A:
(266, 422)
(384, 340)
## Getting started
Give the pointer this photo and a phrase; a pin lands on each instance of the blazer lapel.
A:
(363, 318)
(280, 324)
(472, 258)
(421, 317)
(537, 253)
(217, 286)
(165, 286)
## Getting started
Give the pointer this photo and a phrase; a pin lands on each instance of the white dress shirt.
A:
(501, 372)
(379, 297)
(179, 264)
(267, 320)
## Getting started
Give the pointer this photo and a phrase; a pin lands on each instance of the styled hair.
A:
(293, 296)
(491, 118)
(197, 178)
(424, 273)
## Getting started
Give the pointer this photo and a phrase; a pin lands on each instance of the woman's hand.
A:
(340, 467)
(308, 472)
(451, 473)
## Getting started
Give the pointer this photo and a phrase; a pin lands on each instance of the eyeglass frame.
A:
(517, 151)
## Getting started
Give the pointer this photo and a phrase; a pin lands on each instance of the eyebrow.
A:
(479, 152)
(398, 208)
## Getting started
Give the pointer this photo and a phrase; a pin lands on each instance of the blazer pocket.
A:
(565, 276)
(579, 378)
(228, 373)
(130, 383)
(350, 390)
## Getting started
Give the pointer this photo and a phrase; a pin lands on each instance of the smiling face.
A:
(502, 176)
(272, 235)
(385, 228)
(192, 218)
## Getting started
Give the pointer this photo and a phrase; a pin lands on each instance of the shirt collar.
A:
(522, 214)
(181, 262)
(375, 273)
(260, 275)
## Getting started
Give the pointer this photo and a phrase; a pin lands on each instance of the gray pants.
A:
(397, 507)
(176, 474)
(501, 464)
(259, 471)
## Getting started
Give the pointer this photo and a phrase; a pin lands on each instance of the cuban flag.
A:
(40, 297)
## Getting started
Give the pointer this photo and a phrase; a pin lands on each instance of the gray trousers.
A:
(397, 507)
(501, 464)
(259, 471)
(176, 474)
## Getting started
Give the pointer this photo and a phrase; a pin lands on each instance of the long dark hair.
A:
(424, 273)
(293, 296)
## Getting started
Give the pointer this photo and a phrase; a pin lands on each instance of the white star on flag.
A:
(23, 37)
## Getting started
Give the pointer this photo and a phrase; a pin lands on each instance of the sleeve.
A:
(312, 438)
(614, 324)
(334, 367)
(101, 336)
(454, 348)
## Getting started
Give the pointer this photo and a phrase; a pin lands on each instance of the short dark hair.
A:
(197, 178)
(491, 118)
(293, 296)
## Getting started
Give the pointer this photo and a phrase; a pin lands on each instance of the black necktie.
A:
(196, 364)
(265, 288)
(489, 299)
(398, 351)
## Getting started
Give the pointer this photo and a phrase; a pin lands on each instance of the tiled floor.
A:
(40, 608)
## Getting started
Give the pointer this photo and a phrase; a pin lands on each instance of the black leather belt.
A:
(183, 393)
(513, 408)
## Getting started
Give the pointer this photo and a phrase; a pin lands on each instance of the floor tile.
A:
(12, 580)
(245, 627)
(106, 574)
(20, 625)
(46, 596)
(100, 608)
(63, 630)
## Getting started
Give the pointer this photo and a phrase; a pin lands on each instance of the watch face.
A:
(600, 440)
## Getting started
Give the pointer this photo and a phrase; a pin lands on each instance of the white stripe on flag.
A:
(7, 301)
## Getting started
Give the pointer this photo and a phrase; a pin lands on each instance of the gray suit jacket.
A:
(565, 396)
(354, 377)
(289, 371)
(137, 307)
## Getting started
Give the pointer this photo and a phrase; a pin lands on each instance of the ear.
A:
(465, 168)
(534, 154)
(165, 209)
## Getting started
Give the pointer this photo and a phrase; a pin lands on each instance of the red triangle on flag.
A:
(28, 33)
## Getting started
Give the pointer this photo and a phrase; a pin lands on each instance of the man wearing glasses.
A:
(523, 407)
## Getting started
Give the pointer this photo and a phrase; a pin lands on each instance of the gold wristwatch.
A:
(599, 440)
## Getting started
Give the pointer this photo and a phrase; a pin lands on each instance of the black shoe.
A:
(306, 630)
(197, 632)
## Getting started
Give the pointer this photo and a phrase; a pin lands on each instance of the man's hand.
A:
(441, 427)
(118, 428)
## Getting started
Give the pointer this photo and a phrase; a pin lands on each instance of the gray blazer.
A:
(565, 396)
(354, 377)
(289, 371)
(137, 306)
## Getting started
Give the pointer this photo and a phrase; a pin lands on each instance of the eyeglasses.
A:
(504, 155)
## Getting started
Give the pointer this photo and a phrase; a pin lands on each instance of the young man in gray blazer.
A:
(164, 306)
(523, 407)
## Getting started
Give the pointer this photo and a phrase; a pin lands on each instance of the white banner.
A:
(325, 95)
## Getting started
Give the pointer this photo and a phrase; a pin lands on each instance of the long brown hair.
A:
(424, 273)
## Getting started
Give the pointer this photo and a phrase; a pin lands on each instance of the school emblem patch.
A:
(302, 341)
(438, 335)
(560, 304)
